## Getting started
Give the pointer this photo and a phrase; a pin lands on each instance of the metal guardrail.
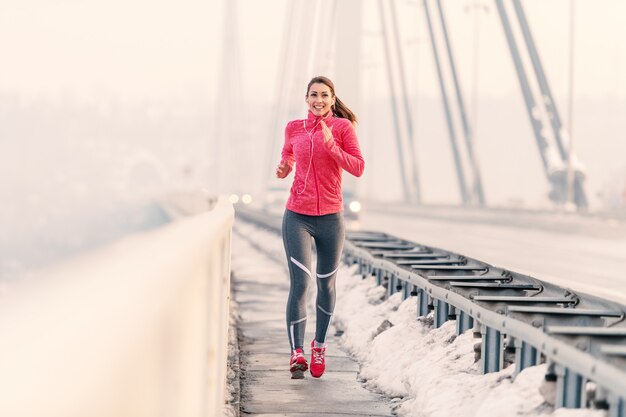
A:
(581, 337)
(138, 328)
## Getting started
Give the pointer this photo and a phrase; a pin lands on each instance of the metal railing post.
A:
(464, 322)
(569, 386)
(491, 349)
(391, 286)
(422, 303)
(379, 277)
(441, 312)
(406, 290)
(525, 356)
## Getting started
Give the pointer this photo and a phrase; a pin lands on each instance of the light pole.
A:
(570, 197)
(476, 7)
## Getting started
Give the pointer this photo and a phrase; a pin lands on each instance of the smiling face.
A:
(320, 99)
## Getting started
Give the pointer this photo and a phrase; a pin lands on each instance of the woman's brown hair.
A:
(339, 109)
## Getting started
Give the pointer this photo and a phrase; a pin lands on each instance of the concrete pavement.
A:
(267, 389)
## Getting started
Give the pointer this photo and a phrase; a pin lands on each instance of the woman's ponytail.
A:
(341, 110)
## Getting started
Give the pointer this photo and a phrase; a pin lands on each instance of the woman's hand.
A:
(283, 170)
(328, 132)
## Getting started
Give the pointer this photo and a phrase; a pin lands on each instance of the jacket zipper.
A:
(317, 189)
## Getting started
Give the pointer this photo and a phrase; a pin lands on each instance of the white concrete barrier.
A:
(136, 329)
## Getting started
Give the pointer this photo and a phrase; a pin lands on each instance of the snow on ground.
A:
(427, 372)
(432, 370)
(232, 391)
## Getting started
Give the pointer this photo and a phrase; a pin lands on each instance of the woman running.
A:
(321, 147)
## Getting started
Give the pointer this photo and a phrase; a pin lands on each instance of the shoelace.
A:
(318, 357)
(296, 355)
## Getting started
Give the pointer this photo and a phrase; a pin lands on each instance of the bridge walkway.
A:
(261, 286)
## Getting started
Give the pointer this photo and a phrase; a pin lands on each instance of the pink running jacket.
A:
(316, 188)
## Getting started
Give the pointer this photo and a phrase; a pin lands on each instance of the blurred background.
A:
(106, 106)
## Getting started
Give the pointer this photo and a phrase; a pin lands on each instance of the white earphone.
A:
(306, 176)
(311, 157)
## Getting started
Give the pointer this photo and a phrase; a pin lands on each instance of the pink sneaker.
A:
(318, 364)
(298, 364)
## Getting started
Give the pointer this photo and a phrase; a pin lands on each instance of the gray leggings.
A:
(328, 232)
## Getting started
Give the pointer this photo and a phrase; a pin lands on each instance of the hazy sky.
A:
(140, 47)
(123, 48)
(140, 50)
